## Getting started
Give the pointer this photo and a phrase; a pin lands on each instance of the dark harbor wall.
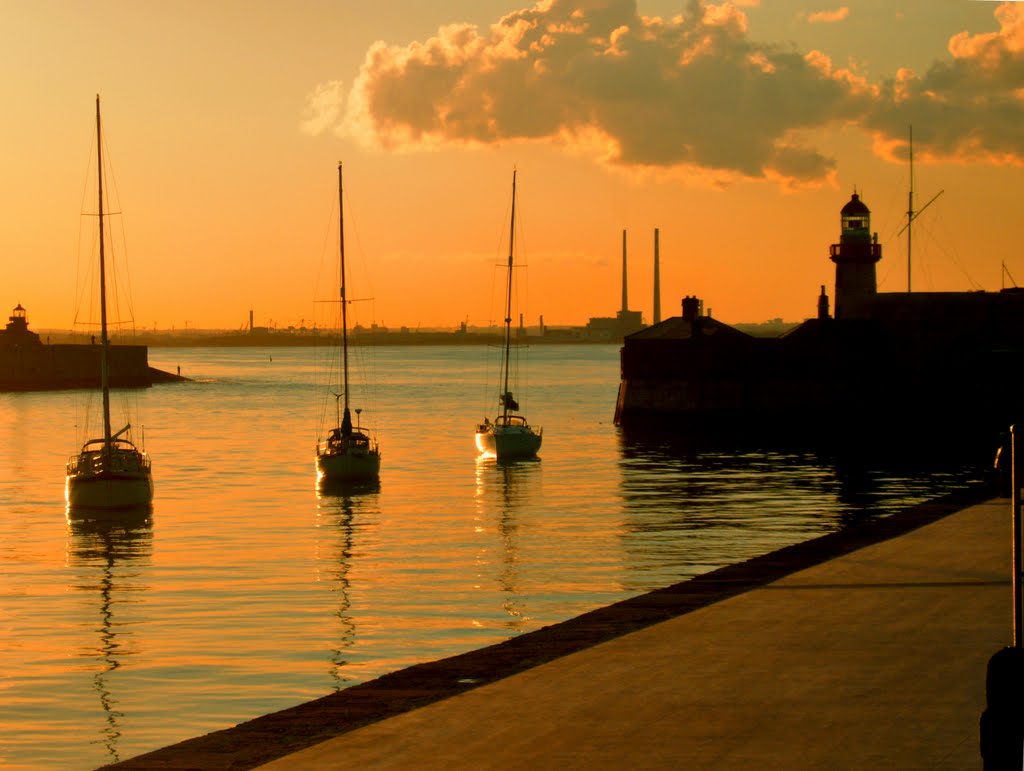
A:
(51, 367)
(939, 363)
(935, 362)
(708, 376)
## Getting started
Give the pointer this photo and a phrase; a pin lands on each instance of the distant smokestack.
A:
(657, 282)
(250, 322)
(625, 290)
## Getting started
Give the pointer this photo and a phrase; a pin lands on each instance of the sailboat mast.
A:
(508, 297)
(104, 341)
(344, 301)
(910, 205)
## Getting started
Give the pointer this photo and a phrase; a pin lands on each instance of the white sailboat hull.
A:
(508, 441)
(348, 468)
(125, 482)
(348, 464)
(109, 493)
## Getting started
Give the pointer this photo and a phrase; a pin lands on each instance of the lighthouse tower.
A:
(855, 256)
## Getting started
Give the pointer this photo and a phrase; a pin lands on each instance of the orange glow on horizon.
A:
(227, 199)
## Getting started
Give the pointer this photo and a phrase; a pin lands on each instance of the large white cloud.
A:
(693, 91)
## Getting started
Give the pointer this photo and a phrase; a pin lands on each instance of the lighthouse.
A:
(855, 256)
(17, 332)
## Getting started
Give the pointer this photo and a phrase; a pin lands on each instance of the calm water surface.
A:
(246, 592)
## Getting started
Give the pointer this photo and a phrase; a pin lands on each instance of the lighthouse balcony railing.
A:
(874, 251)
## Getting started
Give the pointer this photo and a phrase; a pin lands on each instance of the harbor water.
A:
(246, 591)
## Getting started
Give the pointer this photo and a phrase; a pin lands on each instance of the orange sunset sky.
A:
(739, 129)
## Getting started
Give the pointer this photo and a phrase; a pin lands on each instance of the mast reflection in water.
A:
(503, 490)
(345, 512)
(109, 551)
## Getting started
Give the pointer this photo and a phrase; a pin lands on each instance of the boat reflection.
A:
(505, 486)
(327, 488)
(110, 552)
(347, 510)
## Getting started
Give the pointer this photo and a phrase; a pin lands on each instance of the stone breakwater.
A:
(60, 366)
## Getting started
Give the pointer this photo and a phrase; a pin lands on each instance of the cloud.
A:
(969, 108)
(828, 17)
(324, 107)
(693, 92)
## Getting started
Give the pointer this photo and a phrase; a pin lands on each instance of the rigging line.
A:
(324, 359)
(364, 374)
(952, 254)
(330, 239)
(80, 291)
(1006, 271)
(932, 239)
(86, 281)
(492, 328)
(328, 360)
(118, 261)
(522, 288)
(353, 230)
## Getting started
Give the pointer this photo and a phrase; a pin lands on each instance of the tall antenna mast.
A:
(911, 214)
(910, 205)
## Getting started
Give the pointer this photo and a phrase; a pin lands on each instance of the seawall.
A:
(61, 366)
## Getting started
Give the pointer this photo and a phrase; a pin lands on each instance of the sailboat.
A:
(109, 472)
(509, 436)
(349, 454)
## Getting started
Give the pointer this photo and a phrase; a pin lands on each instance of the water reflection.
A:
(339, 488)
(112, 552)
(505, 487)
(688, 509)
(344, 510)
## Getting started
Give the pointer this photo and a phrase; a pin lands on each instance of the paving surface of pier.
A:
(861, 649)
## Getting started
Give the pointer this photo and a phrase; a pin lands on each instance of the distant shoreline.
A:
(303, 338)
(285, 339)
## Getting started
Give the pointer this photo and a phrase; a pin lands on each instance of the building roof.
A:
(855, 206)
(677, 328)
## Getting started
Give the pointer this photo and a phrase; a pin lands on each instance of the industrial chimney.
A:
(625, 292)
(657, 282)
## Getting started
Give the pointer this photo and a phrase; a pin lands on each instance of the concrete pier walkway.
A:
(861, 649)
